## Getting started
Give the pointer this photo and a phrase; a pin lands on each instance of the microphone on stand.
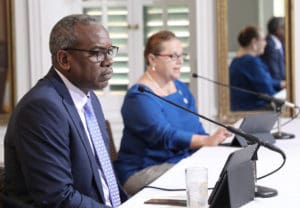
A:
(277, 102)
(260, 191)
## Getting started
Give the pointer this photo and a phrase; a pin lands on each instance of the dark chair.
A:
(2, 176)
(112, 147)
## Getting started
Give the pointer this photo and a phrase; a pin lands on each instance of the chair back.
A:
(112, 147)
(2, 176)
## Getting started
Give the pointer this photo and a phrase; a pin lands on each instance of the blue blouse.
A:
(155, 131)
(250, 73)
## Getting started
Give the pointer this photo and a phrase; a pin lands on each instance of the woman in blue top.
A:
(156, 134)
(248, 71)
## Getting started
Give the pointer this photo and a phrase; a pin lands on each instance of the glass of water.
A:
(196, 187)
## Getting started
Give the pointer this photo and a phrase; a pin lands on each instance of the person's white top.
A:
(278, 44)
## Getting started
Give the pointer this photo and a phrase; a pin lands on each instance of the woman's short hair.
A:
(154, 43)
(247, 34)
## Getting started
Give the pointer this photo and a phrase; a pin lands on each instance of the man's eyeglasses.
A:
(174, 57)
(98, 54)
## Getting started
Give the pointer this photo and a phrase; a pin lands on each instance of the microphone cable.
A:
(269, 146)
(163, 189)
(254, 159)
(169, 189)
(272, 172)
(211, 188)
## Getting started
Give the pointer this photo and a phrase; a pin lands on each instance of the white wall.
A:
(204, 41)
(42, 15)
(33, 21)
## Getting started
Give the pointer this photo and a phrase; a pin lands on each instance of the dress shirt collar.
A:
(278, 44)
(79, 97)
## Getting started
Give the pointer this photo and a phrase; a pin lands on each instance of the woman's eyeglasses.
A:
(174, 57)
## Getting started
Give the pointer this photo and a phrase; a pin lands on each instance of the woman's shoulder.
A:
(246, 59)
(139, 92)
(138, 88)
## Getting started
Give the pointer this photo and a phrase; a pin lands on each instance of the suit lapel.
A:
(72, 111)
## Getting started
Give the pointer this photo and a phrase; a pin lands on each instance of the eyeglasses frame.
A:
(95, 52)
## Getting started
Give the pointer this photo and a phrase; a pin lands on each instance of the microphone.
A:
(276, 101)
(278, 104)
(239, 132)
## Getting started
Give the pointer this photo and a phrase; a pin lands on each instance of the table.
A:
(286, 181)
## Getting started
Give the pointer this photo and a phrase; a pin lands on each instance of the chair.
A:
(2, 176)
(112, 147)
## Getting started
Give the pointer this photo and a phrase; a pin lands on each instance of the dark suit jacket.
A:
(275, 60)
(48, 158)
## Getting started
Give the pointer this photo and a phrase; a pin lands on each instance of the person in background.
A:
(157, 135)
(273, 55)
(52, 156)
(248, 71)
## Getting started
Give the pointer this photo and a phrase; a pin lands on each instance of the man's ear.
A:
(63, 60)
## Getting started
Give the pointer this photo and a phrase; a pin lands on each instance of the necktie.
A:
(101, 153)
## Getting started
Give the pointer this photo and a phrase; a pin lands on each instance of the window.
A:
(114, 15)
(277, 8)
(174, 18)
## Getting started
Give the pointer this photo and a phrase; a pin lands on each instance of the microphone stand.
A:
(259, 190)
(277, 102)
(279, 134)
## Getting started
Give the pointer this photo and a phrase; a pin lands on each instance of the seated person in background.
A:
(273, 55)
(248, 71)
(156, 134)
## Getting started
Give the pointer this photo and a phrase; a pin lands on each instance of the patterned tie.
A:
(102, 153)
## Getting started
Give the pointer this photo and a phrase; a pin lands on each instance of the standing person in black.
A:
(274, 55)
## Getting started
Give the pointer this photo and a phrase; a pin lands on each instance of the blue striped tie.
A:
(102, 153)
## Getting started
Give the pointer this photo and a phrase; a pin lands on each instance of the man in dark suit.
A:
(51, 157)
(274, 52)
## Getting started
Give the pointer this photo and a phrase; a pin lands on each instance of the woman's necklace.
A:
(155, 84)
(185, 100)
